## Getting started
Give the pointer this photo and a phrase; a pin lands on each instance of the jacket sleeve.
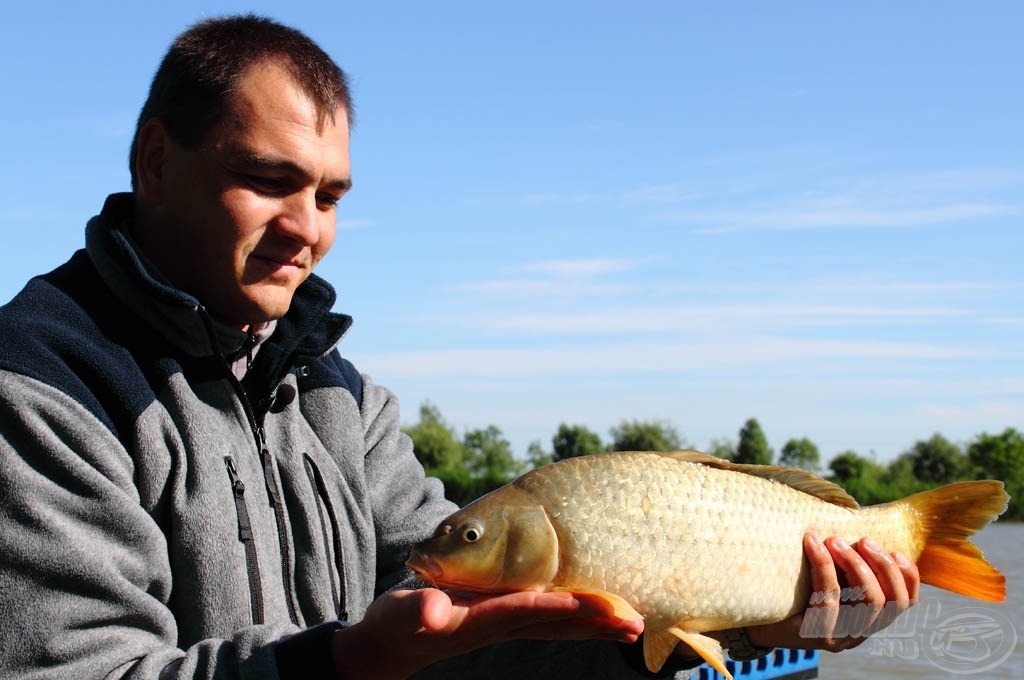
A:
(84, 570)
(407, 505)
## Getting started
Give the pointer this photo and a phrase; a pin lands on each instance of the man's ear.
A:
(151, 156)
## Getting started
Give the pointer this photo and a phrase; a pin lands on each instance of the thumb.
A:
(435, 609)
(426, 609)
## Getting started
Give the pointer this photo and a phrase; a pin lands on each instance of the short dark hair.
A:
(190, 90)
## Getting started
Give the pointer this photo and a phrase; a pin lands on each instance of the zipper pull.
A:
(238, 487)
(268, 467)
(250, 342)
(268, 475)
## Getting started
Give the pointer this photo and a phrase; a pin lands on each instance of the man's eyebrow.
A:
(340, 185)
(250, 159)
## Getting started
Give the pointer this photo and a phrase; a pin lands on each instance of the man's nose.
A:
(300, 220)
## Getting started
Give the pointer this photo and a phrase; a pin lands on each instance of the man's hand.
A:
(883, 585)
(407, 630)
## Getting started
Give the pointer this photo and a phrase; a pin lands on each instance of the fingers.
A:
(824, 585)
(593, 618)
(881, 586)
(888, 574)
(861, 581)
(615, 630)
(824, 578)
(528, 606)
(866, 597)
(911, 575)
(856, 592)
(428, 625)
(906, 584)
(896, 580)
(535, 615)
(548, 611)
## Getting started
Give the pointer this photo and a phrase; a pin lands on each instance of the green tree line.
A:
(481, 460)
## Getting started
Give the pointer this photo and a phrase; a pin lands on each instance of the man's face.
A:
(248, 214)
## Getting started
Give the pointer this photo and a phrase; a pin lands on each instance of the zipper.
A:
(256, 594)
(245, 535)
(275, 503)
(250, 343)
(332, 538)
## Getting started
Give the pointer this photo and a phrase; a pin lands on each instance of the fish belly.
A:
(687, 543)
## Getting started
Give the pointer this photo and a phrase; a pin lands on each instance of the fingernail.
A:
(902, 559)
(870, 545)
(815, 539)
(841, 544)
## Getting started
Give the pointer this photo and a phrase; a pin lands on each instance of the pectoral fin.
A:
(620, 607)
(659, 644)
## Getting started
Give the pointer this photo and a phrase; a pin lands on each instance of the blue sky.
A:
(808, 213)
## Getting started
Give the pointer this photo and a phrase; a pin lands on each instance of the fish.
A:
(691, 543)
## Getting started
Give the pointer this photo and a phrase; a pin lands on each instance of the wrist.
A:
(356, 656)
(362, 652)
(307, 653)
(745, 644)
(760, 636)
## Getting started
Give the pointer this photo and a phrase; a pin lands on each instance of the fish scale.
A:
(719, 519)
(693, 543)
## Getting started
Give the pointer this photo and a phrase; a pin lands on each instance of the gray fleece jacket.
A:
(160, 518)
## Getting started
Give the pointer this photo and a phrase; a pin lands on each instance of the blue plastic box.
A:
(792, 664)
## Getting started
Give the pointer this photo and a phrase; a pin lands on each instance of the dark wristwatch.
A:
(741, 648)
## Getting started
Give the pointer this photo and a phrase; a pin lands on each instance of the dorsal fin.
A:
(798, 479)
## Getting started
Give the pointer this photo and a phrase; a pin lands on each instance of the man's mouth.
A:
(278, 262)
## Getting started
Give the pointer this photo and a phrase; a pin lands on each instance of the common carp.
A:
(692, 543)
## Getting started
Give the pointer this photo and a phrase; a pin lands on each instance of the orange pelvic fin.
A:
(620, 607)
(659, 644)
(948, 516)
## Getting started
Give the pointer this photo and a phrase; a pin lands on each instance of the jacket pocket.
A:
(331, 533)
(252, 565)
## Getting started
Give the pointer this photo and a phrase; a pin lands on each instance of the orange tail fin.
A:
(948, 515)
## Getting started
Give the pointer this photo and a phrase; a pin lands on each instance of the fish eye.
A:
(472, 533)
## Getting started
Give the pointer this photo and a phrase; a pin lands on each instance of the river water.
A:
(948, 635)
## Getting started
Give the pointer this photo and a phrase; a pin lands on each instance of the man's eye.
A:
(267, 185)
(327, 200)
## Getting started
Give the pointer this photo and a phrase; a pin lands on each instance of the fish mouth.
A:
(425, 567)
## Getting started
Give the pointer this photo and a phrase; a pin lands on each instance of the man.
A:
(194, 483)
